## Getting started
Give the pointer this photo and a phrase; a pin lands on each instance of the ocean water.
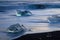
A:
(37, 22)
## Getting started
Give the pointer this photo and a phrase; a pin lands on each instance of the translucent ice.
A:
(23, 13)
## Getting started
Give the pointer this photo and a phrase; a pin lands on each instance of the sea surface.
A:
(37, 22)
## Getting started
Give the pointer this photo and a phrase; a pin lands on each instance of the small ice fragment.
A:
(23, 13)
(54, 18)
(15, 28)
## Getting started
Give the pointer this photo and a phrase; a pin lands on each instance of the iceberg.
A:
(54, 19)
(15, 28)
(23, 13)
